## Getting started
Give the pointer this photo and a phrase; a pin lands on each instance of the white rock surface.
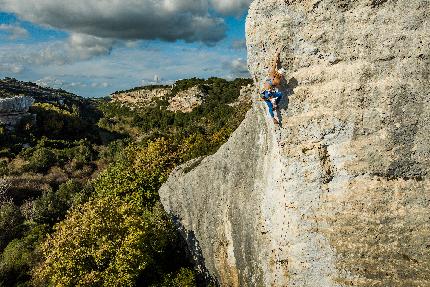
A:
(141, 97)
(17, 104)
(340, 194)
(186, 101)
(13, 109)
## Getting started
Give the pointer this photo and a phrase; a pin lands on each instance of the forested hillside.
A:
(79, 202)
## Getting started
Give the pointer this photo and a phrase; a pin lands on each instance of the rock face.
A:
(186, 101)
(13, 109)
(339, 195)
(141, 97)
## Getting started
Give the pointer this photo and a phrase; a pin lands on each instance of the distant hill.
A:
(10, 87)
(183, 95)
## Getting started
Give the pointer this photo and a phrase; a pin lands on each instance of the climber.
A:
(270, 94)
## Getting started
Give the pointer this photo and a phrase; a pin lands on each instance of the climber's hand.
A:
(278, 52)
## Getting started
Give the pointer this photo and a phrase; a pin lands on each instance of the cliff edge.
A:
(339, 195)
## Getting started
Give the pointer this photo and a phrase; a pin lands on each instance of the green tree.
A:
(139, 169)
(41, 160)
(19, 257)
(108, 241)
(52, 206)
(11, 223)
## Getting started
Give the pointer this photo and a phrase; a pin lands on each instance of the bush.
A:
(183, 278)
(108, 241)
(61, 122)
(79, 155)
(19, 257)
(112, 232)
(41, 160)
(4, 169)
(52, 206)
(114, 148)
(139, 169)
(11, 223)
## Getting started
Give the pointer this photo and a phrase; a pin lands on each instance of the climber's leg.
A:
(275, 102)
(270, 106)
(271, 112)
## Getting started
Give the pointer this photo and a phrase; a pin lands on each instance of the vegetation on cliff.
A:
(79, 200)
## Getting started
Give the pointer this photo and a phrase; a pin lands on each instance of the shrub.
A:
(112, 232)
(113, 149)
(19, 257)
(139, 169)
(52, 206)
(80, 154)
(108, 241)
(84, 152)
(11, 223)
(4, 169)
(58, 121)
(183, 278)
(41, 160)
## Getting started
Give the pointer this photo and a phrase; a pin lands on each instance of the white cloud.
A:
(54, 82)
(50, 82)
(238, 44)
(95, 26)
(168, 20)
(100, 85)
(14, 32)
(11, 68)
(126, 67)
(86, 46)
(238, 68)
(77, 47)
(231, 7)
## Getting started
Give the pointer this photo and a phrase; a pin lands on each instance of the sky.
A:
(95, 47)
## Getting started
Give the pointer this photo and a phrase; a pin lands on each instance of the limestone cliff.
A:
(184, 101)
(13, 109)
(141, 97)
(339, 195)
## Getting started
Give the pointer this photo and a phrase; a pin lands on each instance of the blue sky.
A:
(93, 47)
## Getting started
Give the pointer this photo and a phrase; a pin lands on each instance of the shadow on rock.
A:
(195, 255)
(287, 88)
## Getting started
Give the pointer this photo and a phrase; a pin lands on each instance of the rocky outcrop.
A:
(13, 109)
(339, 195)
(186, 101)
(141, 97)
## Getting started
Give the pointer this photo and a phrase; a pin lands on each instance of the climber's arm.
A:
(275, 63)
(262, 96)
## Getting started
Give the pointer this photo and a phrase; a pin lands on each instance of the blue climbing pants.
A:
(270, 105)
(267, 96)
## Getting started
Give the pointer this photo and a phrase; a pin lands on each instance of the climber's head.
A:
(268, 84)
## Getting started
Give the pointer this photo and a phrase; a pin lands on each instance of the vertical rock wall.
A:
(13, 109)
(340, 194)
